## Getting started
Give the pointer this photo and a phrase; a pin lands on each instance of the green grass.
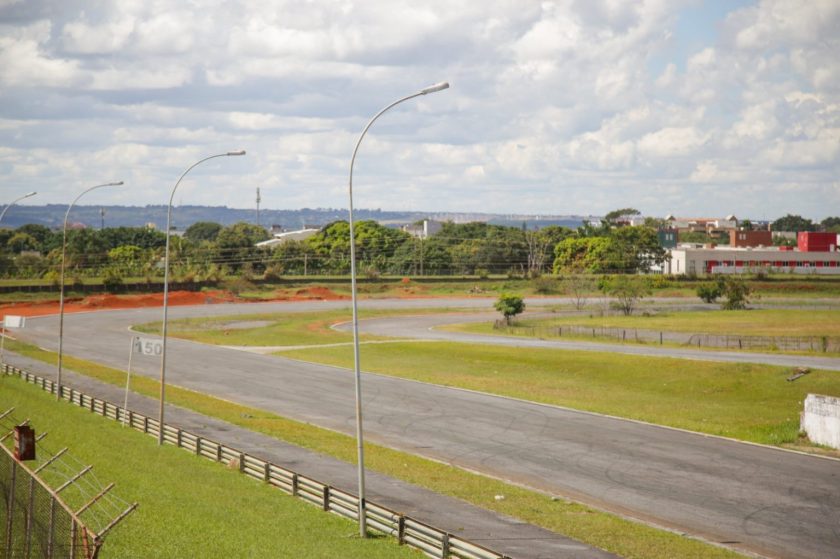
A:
(292, 329)
(756, 322)
(189, 506)
(750, 402)
(617, 535)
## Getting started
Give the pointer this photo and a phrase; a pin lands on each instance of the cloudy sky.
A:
(556, 107)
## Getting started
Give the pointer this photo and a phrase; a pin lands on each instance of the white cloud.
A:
(556, 106)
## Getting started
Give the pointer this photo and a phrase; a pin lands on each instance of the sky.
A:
(692, 108)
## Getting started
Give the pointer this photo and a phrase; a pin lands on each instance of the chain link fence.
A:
(35, 522)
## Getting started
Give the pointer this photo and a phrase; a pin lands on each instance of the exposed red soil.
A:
(105, 302)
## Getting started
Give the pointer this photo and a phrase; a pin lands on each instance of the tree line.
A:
(208, 251)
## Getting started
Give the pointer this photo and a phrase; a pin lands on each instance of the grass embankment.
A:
(744, 401)
(606, 531)
(189, 507)
(757, 322)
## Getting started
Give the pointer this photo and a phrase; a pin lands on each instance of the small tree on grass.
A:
(711, 291)
(509, 306)
(737, 293)
(627, 290)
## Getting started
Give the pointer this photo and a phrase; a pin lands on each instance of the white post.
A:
(166, 286)
(356, 366)
(128, 379)
(61, 289)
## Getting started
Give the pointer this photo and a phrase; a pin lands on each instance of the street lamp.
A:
(166, 285)
(61, 292)
(356, 368)
(13, 202)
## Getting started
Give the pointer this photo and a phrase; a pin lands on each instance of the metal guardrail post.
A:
(401, 530)
(326, 498)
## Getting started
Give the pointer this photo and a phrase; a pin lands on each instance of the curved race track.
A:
(777, 503)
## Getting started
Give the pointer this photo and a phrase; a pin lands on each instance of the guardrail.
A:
(432, 541)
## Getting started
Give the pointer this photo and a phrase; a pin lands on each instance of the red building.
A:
(750, 238)
(809, 241)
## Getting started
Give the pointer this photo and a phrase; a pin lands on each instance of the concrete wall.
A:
(821, 420)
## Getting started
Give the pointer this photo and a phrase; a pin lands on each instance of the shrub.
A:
(736, 292)
(545, 285)
(112, 280)
(711, 291)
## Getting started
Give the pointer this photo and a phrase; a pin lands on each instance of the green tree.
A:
(509, 306)
(711, 291)
(736, 293)
(614, 216)
(794, 223)
(236, 245)
(203, 231)
(627, 290)
(831, 224)
(20, 242)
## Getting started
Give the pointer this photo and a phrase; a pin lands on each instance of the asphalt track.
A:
(764, 500)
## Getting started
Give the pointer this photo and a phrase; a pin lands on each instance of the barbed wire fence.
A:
(53, 507)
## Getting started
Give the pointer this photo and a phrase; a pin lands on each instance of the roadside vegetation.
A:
(610, 532)
(756, 322)
(188, 512)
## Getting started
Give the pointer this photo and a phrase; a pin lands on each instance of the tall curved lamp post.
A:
(166, 284)
(61, 292)
(356, 368)
(13, 202)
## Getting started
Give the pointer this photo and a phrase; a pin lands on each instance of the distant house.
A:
(750, 238)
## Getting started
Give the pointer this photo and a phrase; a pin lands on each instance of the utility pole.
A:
(258, 205)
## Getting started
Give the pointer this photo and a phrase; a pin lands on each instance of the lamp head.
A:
(33, 193)
(434, 88)
(240, 152)
(118, 183)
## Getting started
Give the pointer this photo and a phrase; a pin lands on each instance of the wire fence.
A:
(817, 344)
(35, 521)
(432, 541)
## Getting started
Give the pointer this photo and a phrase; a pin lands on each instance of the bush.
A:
(274, 272)
(238, 285)
(711, 291)
(112, 280)
(545, 285)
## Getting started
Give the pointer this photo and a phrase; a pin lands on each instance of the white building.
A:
(727, 260)
(286, 236)
(424, 229)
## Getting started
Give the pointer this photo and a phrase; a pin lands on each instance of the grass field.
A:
(744, 401)
(189, 507)
(756, 322)
(606, 531)
(293, 329)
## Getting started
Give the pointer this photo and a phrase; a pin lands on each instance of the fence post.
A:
(241, 463)
(294, 485)
(29, 514)
(178, 438)
(51, 537)
(218, 452)
(198, 446)
(145, 424)
(267, 472)
(401, 530)
(740, 346)
(10, 510)
(444, 548)
(326, 498)
(660, 338)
